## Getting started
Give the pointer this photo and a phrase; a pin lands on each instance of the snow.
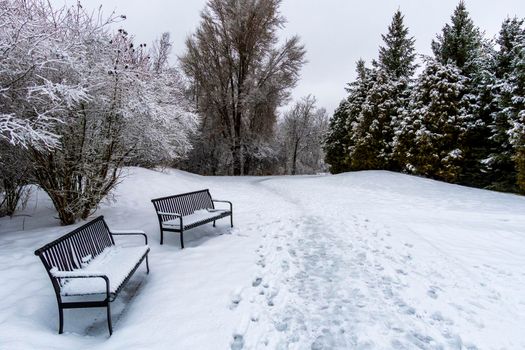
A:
(369, 260)
(197, 216)
(113, 262)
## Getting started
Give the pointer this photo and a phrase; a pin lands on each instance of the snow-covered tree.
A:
(397, 57)
(30, 53)
(240, 76)
(338, 142)
(109, 101)
(516, 110)
(373, 133)
(439, 117)
(501, 159)
(462, 44)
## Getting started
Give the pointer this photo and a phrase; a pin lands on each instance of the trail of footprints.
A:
(315, 289)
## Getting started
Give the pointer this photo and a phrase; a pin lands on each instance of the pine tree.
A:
(397, 57)
(461, 43)
(372, 133)
(336, 141)
(516, 110)
(386, 100)
(500, 161)
(439, 119)
(339, 141)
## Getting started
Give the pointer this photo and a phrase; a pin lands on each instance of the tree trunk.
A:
(237, 159)
(294, 158)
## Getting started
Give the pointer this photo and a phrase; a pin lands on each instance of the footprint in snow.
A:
(236, 299)
(257, 282)
(238, 342)
(432, 292)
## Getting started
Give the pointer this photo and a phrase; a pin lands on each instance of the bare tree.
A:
(240, 75)
(301, 131)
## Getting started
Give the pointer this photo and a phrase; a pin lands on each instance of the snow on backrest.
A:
(68, 252)
(185, 204)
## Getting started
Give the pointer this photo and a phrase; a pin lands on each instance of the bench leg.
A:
(214, 224)
(161, 237)
(60, 320)
(109, 320)
(231, 219)
(181, 240)
(147, 265)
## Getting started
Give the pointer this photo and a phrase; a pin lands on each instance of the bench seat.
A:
(198, 217)
(116, 263)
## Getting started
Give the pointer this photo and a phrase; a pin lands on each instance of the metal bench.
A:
(87, 262)
(185, 211)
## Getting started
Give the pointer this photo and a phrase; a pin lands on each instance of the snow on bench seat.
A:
(114, 262)
(197, 216)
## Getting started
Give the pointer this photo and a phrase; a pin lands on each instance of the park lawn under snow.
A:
(361, 260)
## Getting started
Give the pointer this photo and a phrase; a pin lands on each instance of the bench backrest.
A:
(185, 203)
(66, 253)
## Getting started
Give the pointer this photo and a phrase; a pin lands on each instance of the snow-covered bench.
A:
(184, 211)
(87, 262)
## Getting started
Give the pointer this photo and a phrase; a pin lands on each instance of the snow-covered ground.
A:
(368, 260)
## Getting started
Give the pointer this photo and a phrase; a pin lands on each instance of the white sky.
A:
(336, 33)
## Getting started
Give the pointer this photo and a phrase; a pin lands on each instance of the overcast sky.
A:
(336, 33)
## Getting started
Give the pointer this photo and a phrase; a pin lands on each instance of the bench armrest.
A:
(130, 233)
(223, 201)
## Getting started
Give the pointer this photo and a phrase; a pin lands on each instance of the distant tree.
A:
(336, 144)
(302, 130)
(240, 75)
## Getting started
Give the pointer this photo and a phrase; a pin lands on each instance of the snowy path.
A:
(369, 260)
(340, 281)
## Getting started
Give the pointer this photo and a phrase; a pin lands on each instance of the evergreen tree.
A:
(398, 55)
(439, 118)
(336, 141)
(500, 161)
(373, 134)
(339, 141)
(461, 43)
(516, 110)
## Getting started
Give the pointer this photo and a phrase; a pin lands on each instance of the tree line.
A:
(461, 119)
